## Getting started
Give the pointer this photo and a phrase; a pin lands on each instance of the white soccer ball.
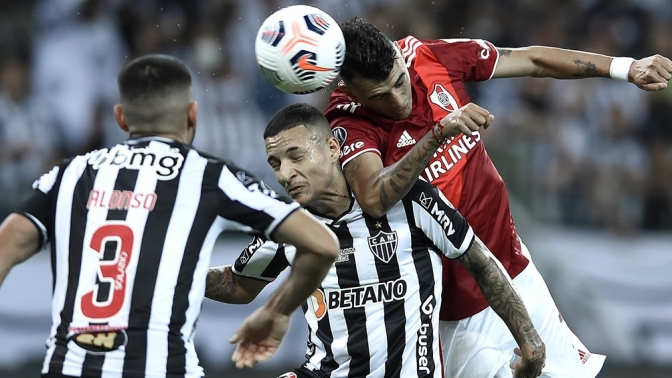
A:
(300, 49)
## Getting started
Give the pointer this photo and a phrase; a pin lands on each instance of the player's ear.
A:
(119, 117)
(344, 87)
(334, 149)
(396, 44)
(192, 111)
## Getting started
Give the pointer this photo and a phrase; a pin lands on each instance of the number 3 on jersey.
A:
(116, 238)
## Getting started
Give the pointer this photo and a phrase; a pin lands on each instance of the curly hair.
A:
(368, 52)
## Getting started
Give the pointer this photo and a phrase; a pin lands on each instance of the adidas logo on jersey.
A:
(405, 140)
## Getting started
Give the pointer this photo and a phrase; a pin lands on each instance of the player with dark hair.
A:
(132, 228)
(376, 313)
(402, 112)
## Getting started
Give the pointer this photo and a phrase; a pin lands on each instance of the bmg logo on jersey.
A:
(166, 163)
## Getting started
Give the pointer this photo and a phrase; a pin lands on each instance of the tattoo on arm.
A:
(498, 290)
(220, 284)
(584, 69)
(504, 52)
(395, 181)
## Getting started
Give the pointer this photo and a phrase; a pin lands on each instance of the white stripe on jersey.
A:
(250, 197)
(197, 295)
(74, 359)
(111, 364)
(435, 230)
(88, 273)
(71, 175)
(188, 195)
(410, 50)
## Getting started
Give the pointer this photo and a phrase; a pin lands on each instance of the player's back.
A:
(132, 230)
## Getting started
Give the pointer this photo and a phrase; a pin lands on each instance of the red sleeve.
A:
(474, 59)
(352, 128)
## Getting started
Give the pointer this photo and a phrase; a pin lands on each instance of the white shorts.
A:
(481, 346)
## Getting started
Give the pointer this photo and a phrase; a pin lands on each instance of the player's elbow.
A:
(373, 207)
(245, 298)
(329, 247)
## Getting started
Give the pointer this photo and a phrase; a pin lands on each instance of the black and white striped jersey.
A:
(131, 230)
(376, 313)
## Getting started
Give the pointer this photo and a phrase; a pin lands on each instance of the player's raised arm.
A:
(378, 188)
(316, 249)
(651, 73)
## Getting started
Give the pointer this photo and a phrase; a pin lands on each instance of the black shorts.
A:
(302, 372)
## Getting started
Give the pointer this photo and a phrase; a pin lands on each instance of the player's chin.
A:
(301, 197)
(402, 113)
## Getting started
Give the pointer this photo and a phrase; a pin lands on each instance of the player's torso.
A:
(378, 306)
(128, 289)
(460, 168)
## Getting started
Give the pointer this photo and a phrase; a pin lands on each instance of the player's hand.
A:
(259, 337)
(652, 73)
(530, 364)
(466, 119)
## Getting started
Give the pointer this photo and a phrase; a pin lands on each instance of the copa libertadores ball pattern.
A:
(300, 49)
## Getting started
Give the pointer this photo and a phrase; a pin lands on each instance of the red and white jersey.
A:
(461, 168)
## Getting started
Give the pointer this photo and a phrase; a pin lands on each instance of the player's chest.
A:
(431, 103)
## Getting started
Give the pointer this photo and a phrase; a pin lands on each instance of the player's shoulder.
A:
(410, 45)
(345, 112)
(340, 104)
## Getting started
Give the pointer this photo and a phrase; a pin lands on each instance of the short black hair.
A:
(368, 52)
(152, 86)
(295, 115)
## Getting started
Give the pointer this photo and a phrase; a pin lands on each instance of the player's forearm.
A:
(542, 61)
(498, 290)
(221, 286)
(308, 271)
(390, 184)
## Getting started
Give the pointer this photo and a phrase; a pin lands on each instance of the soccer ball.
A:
(300, 49)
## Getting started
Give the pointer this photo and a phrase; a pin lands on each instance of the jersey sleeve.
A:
(472, 59)
(38, 206)
(438, 219)
(353, 130)
(261, 259)
(249, 205)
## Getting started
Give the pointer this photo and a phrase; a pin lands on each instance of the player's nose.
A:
(285, 173)
(397, 99)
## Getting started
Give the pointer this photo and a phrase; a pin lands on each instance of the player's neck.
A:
(174, 136)
(333, 202)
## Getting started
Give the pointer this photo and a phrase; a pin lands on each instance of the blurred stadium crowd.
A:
(594, 153)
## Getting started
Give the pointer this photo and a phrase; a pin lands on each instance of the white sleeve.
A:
(262, 260)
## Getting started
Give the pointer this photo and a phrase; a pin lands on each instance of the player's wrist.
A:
(437, 133)
(619, 68)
